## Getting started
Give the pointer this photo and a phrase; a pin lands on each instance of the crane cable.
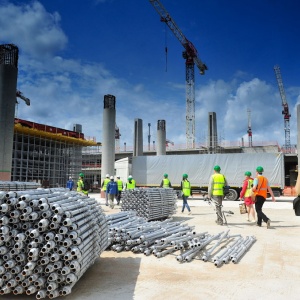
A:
(166, 46)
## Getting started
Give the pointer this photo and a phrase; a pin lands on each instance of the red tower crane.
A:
(190, 55)
(285, 110)
(249, 131)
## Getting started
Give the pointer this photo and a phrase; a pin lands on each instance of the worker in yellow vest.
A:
(186, 192)
(165, 183)
(120, 188)
(216, 191)
(104, 186)
(130, 184)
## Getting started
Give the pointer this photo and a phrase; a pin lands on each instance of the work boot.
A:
(268, 224)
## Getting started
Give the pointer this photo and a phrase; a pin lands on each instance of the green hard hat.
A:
(165, 175)
(217, 168)
(185, 175)
(81, 175)
(248, 173)
(259, 169)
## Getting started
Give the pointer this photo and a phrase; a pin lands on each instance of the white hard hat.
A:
(111, 177)
(118, 176)
(130, 176)
(107, 175)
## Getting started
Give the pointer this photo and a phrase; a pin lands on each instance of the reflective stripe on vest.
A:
(105, 182)
(120, 184)
(218, 185)
(263, 184)
(249, 188)
(166, 183)
(186, 188)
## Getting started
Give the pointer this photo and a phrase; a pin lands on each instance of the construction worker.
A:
(130, 184)
(165, 183)
(120, 188)
(112, 191)
(103, 187)
(260, 188)
(186, 192)
(80, 185)
(216, 191)
(70, 184)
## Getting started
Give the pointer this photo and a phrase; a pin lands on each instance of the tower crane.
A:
(190, 55)
(21, 96)
(249, 131)
(285, 110)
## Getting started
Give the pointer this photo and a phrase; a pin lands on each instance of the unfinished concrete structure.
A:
(8, 85)
(161, 137)
(138, 137)
(212, 134)
(108, 135)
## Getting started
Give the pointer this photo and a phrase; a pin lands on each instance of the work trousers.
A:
(185, 204)
(260, 200)
(111, 198)
(219, 200)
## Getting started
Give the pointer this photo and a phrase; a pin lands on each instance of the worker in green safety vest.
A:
(216, 191)
(165, 183)
(186, 192)
(103, 187)
(120, 188)
(130, 184)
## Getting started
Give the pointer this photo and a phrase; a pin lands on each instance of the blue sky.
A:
(72, 53)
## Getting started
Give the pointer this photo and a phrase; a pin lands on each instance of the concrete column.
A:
(108, 136)
(8, 87)
(161, 137)
(212, 142)
(138, 138)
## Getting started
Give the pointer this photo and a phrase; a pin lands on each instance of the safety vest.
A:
(166, 183)
(130, 185)
(105, 182)
(218, 185)
(79, 185)
(120, 184)
(249, 188)
(186, 188)
(262, 186)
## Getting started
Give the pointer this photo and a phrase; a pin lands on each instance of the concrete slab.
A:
(269, 270)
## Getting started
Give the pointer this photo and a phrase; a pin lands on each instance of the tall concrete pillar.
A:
(161, 137)
(212, 133)
(138, 138)
(8, 85)
(108, 136)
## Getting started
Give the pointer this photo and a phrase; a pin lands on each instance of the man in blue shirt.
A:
(112, 191)
(70, 184)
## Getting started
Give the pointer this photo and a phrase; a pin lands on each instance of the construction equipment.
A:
(249, 131)
(21, 96)
(169, 142)
(285, 111)
(191, 58)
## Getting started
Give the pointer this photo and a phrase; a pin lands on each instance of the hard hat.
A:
(111, 177)
(129, 176)
(259, 169)
(107, 175)
(81, 174)
(248, 173)
(185, 176)
(165, 175)
(217, 168)
(118, 176)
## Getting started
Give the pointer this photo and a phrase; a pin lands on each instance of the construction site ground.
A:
(269, 270)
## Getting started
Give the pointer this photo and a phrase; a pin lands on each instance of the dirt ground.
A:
(269, 270)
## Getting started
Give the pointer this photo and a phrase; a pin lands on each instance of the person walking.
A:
(216, 191)
(112, 191)
(120, 188)
(130, 184)
(70, 184)
(246, 195)
(103, 188)
(260, 188)
(165, 183)
(80, 185)
(186, 192)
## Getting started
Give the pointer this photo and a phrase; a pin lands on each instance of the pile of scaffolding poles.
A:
(128, 232)
(150, 203)
(17, 186)
(48, 239)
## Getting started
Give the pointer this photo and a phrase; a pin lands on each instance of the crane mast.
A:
(249, 131)
(285, 110)
(191, 58)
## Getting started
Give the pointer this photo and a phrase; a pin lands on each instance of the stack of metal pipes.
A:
(150, 203)
(127, 232)
(48, 239)
(18, 185)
